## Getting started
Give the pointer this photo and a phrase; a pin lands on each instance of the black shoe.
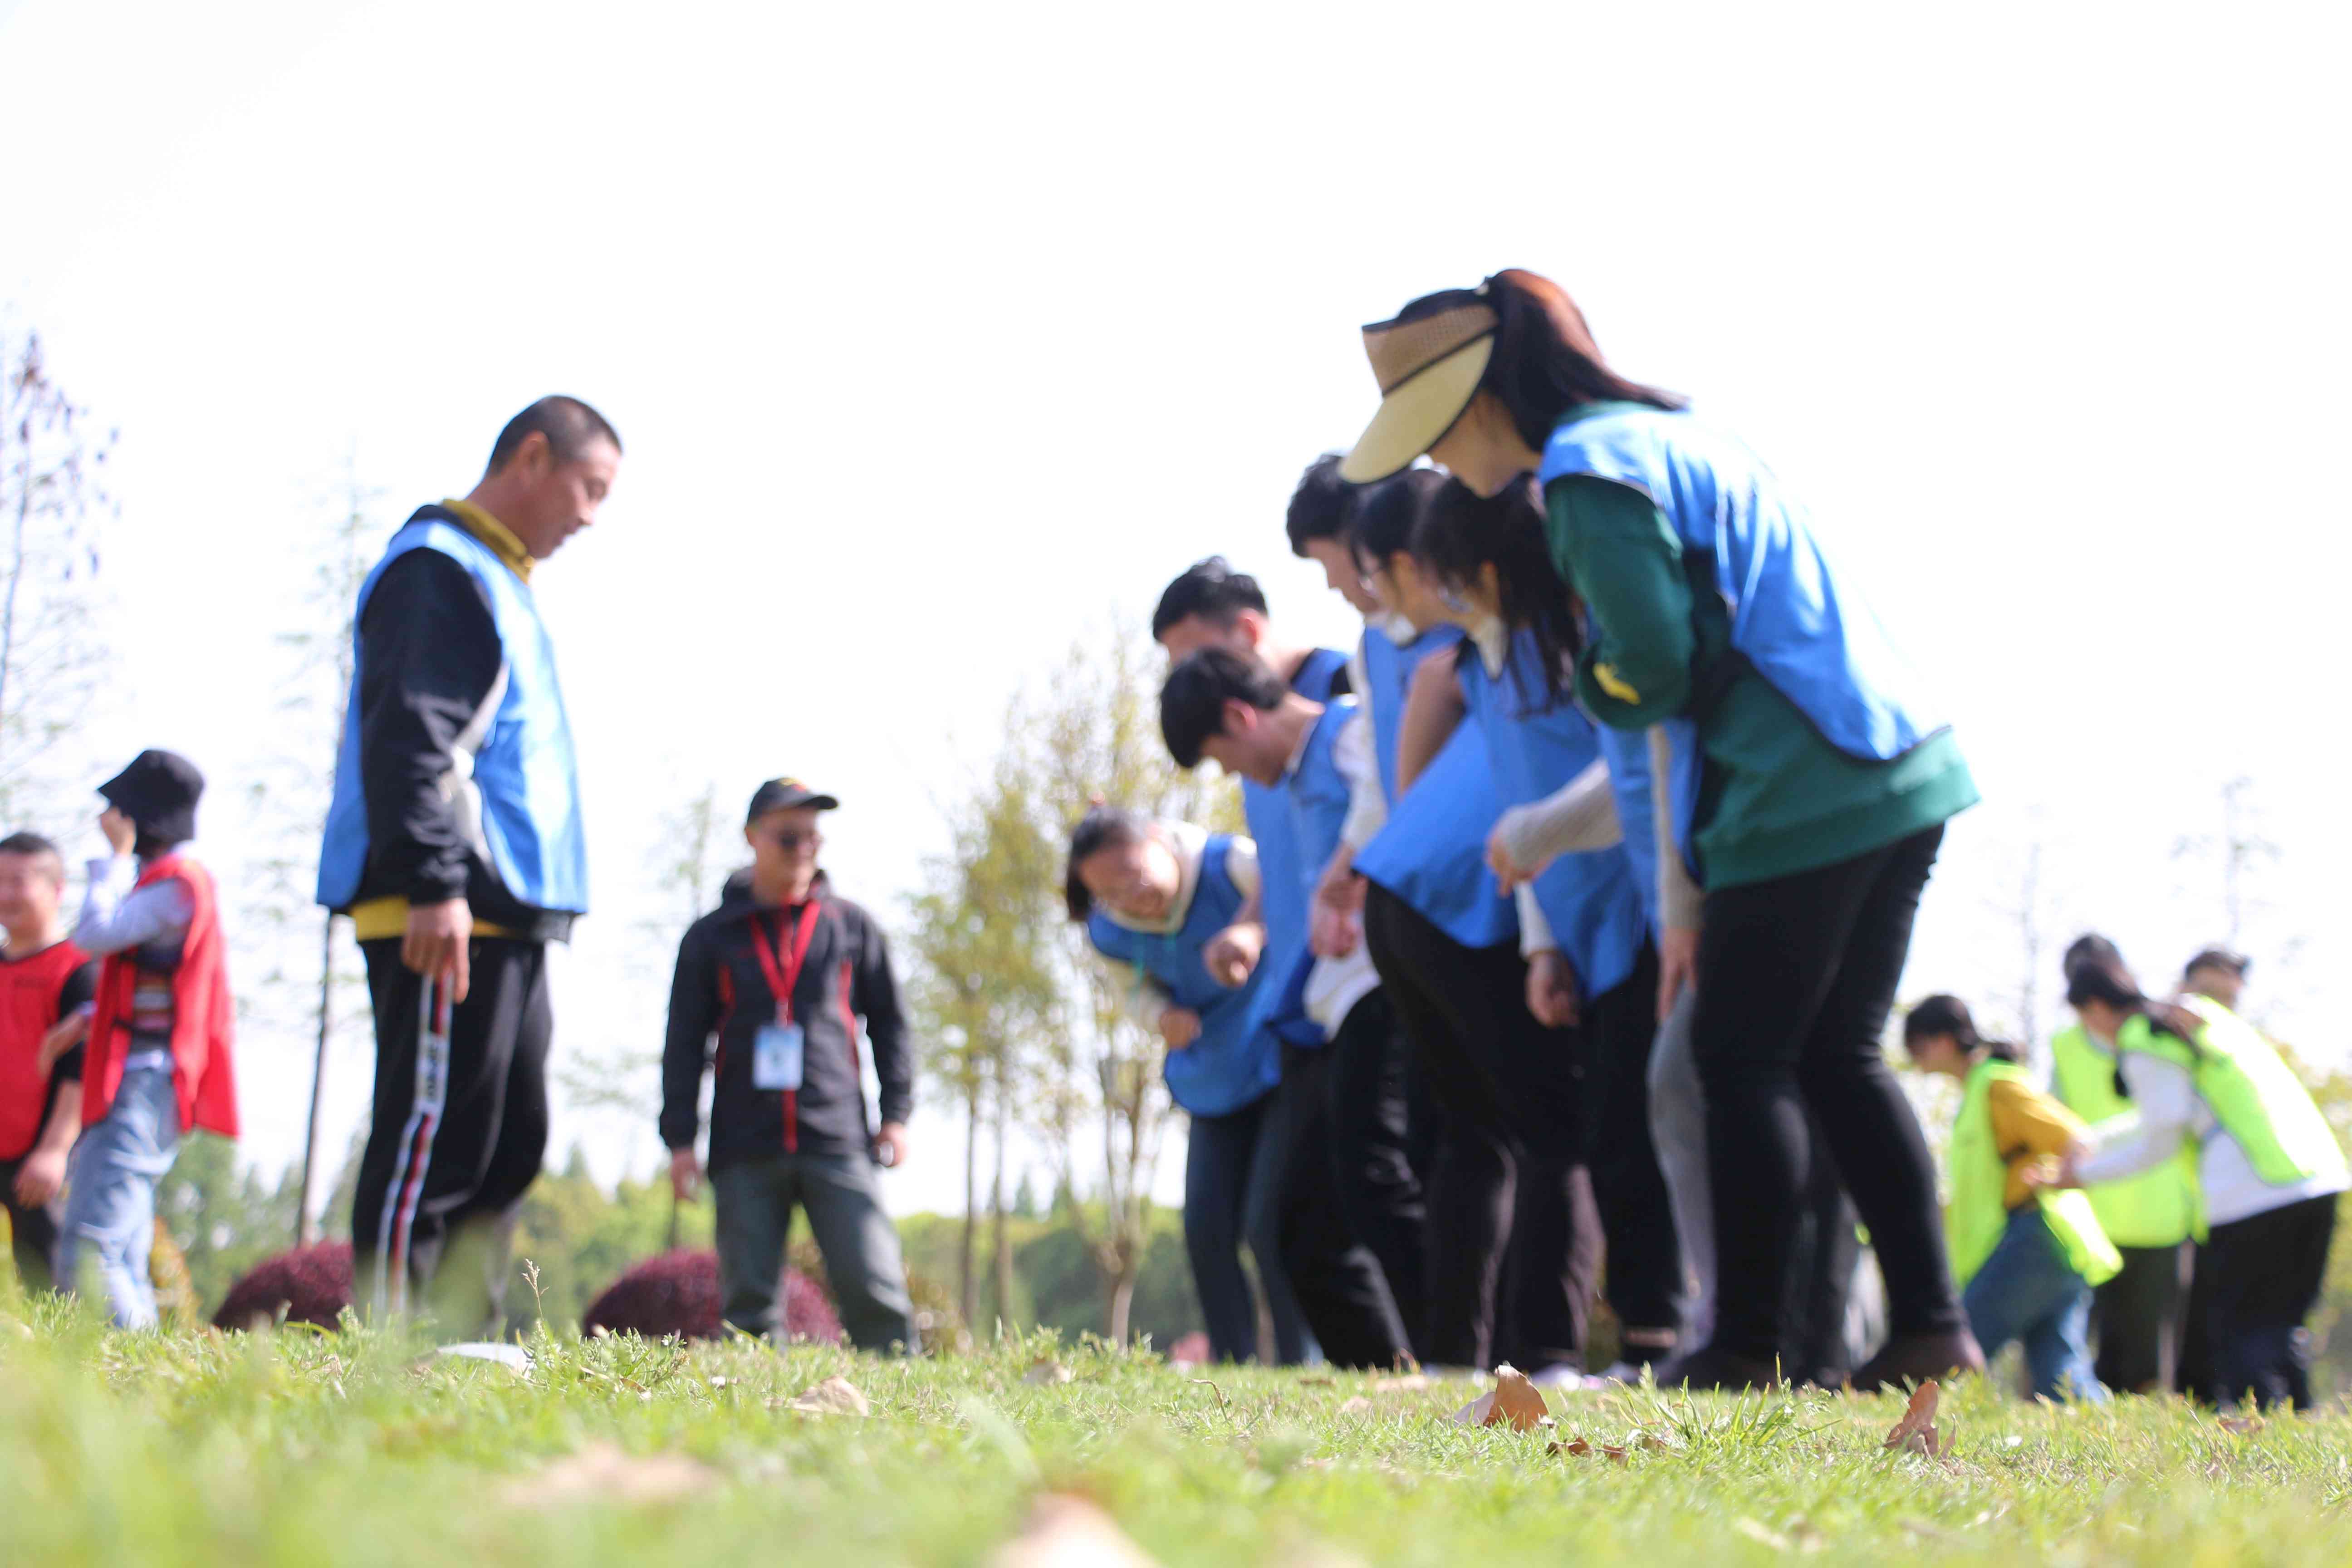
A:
(1913, 1359)
(1709, 1368)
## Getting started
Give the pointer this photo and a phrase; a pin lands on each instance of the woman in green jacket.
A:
(1825, 784)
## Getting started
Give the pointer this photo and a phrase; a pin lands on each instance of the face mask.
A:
(1494, 640)
(1394, 626)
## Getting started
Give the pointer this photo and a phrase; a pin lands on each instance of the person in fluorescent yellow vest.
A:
(2268, 1168)
(2026, 1258)
(2138, 1316)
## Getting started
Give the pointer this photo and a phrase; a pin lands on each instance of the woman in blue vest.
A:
(1152, 896)
(1584, 916)
(1514, 1245)
(1827, 783)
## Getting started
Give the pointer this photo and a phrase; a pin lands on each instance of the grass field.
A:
(304, 1449)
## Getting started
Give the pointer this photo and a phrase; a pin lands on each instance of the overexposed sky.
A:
(936, 333)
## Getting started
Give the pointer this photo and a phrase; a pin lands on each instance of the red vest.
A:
(203, 1017)
(28, 1007)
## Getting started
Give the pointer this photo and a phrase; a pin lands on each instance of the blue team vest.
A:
(1284, 876)
(1812, 638)
(1431, 851)
(1589, 899)
(1233, 1060)
(523, 771)
(1628, 754)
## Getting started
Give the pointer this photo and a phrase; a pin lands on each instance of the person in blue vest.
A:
(1233, 710)
(1513, 1240)
(1829, 776)
(1583, 917)
(1154, 897)
(1380, 1124)
(454, 842)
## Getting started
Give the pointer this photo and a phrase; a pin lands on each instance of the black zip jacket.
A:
(429, 660)
(719, 999)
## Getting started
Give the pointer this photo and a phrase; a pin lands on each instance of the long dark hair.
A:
(1945, 1014)
(2102, 977)
(1545, 361)
(1102, 827)
(1460, 532)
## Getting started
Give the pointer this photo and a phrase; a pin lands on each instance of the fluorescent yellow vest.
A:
(2156, 1208)
(1979, 1176)
(2252, 1092)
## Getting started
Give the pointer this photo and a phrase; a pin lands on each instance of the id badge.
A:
(776, 1057)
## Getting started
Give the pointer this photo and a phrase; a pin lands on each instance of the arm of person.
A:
(1367, 806)
(2164, 1109)
(116, 916)
(1581, 814)
(1233, 954)
(41, 1173)
(1434, 706)
(1551, 979)
(1335, 922)
(2026, 1120)
(873, 995)
(1681, 900)
(693, 1014)
(1626, 562)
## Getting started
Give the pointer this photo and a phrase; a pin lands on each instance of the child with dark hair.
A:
(157, 1064)
(46, 985)
(2027, 1257)
(1298, 757)
(1156, 897)
(2268, 1168)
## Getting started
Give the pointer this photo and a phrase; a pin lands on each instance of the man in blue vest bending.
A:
(455, 845)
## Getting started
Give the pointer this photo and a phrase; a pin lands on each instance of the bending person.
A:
(1708, 597)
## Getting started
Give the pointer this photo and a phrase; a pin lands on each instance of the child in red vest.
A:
(45, 986)
(157, 1060)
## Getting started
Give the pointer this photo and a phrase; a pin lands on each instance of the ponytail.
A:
(2101, 977)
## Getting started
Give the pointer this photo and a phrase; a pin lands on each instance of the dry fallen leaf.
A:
(601, 1470)
(1046, 1371)
(1066, 1531)
(1916, 1433)
(1514, 1400)
(1581, 1447)
(1359, 1405)
(2241, 1425)
(834, 1396)
(1407, 1383)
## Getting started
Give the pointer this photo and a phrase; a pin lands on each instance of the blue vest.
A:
(1284, 874)
(1589, 899)
(1431, 851)
(1791, 618)
(1628, 755)
(520, 797)
(1233, 1061)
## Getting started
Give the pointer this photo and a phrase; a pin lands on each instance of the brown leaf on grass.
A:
(1916, 1433)
(1581, 1447)
(603, 1471)
(1405, 1383)
(1047, 1372)
(834, 1396)
(1066, 1531)
(2241, 1425)
(1514, 1400)
(1359, 1405)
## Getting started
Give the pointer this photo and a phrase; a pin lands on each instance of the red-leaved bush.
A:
(678, 1293)
(309, 1285)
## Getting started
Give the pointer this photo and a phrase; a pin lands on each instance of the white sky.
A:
(936, 333)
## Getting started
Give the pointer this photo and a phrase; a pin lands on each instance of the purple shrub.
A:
(678, 1293)
(309, 1285)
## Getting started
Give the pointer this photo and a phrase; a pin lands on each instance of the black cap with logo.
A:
(785, 794)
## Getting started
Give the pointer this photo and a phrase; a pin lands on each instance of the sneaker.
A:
(1915, 1358)
(1708, 1368)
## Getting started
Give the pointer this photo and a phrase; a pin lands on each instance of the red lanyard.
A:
(783, 975)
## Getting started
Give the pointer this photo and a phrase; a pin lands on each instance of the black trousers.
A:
(1506, 1163)
(458, 1131)
(1647, 1287)
(1796, 978)
(1336, 1279)
(2193, 1377)
(1366, 1082)
(1228, 1160)
(2138, 1316)
(2267, 1270)
(32, 1232)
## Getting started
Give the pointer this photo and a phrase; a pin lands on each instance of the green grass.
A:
(307, 1449)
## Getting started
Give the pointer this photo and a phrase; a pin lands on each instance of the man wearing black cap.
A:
(156, 1062)
(777, 978)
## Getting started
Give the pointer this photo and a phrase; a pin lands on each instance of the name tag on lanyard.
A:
(779, 1056)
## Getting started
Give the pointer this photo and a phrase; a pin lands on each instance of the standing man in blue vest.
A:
(455, 844)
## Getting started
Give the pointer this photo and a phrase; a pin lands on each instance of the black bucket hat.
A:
(158, 792)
